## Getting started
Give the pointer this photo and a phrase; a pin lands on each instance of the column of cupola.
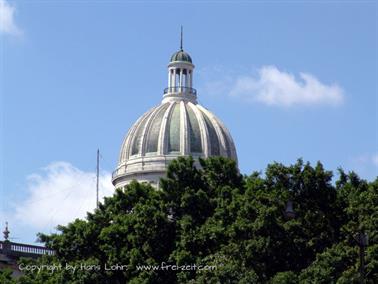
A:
(179, 79)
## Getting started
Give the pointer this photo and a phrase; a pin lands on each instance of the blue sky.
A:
(288, 79)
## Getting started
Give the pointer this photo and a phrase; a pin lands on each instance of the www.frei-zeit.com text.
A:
(111, 267)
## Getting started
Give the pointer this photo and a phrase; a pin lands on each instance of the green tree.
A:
(236, 225)
(6, 276)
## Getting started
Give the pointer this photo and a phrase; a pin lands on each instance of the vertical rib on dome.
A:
(130, 138)
(152, 138)
(125, 149)
(138, 138)
(203, 129)
(194, 132)
(184, 141)
(174, 129)
(222, 137)
(163, 134)
(213, 137)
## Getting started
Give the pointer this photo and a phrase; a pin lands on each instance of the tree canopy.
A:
(232, 228)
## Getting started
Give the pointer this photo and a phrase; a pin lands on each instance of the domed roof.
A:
(179, 126)
(172, 129)
(181, 55)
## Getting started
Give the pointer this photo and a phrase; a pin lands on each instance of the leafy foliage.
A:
(233, 225)
(6, 276)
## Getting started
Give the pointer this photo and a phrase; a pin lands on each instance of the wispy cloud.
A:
(60, 194)
(7, 22)
(273, 87)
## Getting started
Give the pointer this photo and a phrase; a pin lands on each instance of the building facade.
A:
(11, 252)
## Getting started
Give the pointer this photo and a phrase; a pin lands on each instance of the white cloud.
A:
(7, 23)
(59, 195)
(272, 87)
(278, 88)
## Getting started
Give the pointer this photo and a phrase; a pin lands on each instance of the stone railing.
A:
(177, 89)
(23, 250)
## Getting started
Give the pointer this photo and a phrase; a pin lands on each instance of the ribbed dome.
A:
(179, 126)
(181, 56)
(172, 129)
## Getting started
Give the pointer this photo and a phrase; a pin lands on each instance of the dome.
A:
(182, 56)
(178, 126)
(172, 129)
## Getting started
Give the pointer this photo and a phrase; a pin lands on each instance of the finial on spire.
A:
(181, 40)
(6, 232)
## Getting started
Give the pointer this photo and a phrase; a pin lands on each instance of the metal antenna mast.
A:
(181, 39)
(98, 172)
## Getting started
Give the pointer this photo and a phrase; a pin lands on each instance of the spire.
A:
(181, 40)
(6, 232)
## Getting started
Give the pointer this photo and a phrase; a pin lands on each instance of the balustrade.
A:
(25, 249)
